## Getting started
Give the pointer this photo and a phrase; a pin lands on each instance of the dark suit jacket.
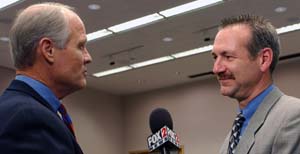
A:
(273, 129)
(28, 124)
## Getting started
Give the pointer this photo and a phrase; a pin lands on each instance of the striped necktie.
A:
(66, 118)
(235, 133)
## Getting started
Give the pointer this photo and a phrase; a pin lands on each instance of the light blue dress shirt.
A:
(42, 90)
(250, 109)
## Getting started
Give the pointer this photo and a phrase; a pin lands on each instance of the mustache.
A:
(225, 76)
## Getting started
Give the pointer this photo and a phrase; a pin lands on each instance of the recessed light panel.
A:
(94, 7)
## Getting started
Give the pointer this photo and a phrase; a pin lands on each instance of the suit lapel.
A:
(224, 148)
(257, 120)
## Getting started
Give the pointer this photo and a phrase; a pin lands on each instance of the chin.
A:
(83, 84)
(80, 85)
(226, 91)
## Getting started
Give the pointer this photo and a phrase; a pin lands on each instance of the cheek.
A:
(71, 62)
(78, 57)
(75, 59)
(248, 72)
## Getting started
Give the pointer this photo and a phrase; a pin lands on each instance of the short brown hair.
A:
(264, 35)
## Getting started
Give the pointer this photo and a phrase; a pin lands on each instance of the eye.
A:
(81, 46)
(228, 57)
(214, 56)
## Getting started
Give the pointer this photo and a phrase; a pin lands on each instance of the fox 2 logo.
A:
(158, 138)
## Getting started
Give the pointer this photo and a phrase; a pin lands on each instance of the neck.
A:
(259, 88)
(42, 77)
(32, 74)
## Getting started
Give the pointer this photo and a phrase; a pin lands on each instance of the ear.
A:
(46, 48)
(266, 57)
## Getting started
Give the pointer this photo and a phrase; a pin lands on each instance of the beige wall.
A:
(98, 121)
(287, 77)
(201, 116)
(6, 75)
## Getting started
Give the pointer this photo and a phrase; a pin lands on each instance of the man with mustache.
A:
(48, 43)
(245, 52)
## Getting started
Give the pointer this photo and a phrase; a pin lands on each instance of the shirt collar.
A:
(249, 110)
(42, 90)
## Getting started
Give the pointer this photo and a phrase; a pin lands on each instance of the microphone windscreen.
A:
(158, 118)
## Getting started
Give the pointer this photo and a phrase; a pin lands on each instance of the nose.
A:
(218, 67)
(87, 57)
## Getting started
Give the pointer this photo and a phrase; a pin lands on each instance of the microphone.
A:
(163, 138)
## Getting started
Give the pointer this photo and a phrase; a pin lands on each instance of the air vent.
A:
(128, 50)
(213, 28)
(207, 33)
(123, 57)
(293, 19)
(201, 74)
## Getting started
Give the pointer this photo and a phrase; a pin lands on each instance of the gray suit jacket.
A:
(273, 129)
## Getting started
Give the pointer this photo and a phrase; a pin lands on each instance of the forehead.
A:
(74, 20)
(76, 25)
(232, 37)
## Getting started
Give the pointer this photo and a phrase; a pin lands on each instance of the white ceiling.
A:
(188, 31)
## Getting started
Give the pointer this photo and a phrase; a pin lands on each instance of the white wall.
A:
(201, 116)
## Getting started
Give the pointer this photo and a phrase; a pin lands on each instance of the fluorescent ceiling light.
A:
(112, 71)
(189, 7)
(98, 34)
(7, 3)
(152, 61)
(4, 39)
(193, 51)
(136, 23)
(289, 28)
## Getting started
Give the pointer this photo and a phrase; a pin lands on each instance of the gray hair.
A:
(264, 35)
(31, 25)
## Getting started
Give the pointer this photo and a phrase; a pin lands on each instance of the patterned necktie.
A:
(235, 133)
(66, 118)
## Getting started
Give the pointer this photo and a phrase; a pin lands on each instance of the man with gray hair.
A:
(246, 51)
(48, 43)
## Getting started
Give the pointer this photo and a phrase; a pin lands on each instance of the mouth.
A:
(223, 77)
